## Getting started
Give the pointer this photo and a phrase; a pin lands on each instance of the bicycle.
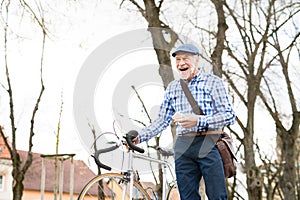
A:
(126, 184)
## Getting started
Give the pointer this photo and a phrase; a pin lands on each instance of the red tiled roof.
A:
(32, 181)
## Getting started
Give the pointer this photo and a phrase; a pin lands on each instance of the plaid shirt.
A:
(211, 95)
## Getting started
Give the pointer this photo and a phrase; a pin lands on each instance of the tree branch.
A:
(36, 107)
(142, 102)
(234, 87)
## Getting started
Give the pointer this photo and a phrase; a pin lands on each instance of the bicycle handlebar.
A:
(129, 137)
(98, 152)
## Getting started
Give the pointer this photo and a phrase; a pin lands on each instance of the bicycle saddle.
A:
(165, 152)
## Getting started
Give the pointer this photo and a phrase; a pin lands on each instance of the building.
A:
(33, 177)
(75, 175)
(5, 172)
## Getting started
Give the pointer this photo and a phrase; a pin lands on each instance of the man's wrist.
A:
(202, 123)
(139, 138)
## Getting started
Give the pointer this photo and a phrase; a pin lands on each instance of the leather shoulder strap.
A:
(191, 99)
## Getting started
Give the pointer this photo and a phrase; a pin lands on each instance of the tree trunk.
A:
(287, 181)
(162, 47)
(216, 56)
(253, 175)
(18, 185)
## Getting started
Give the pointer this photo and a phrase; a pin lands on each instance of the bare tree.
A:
(20, 167)
(257, 26)
(287, 135)
(56, 177)
(270, 171)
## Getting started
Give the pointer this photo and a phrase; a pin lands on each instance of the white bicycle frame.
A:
(163, 163)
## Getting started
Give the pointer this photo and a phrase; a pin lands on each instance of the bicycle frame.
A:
(163, 163)
(129, 174)
(130, 170)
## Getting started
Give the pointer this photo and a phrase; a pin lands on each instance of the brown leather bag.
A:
(224, 143)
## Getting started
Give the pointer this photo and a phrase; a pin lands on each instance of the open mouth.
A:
(183, 69)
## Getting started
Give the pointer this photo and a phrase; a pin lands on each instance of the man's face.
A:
(186, 65)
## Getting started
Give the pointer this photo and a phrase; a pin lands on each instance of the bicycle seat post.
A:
(164, 184)
(131, 174)
(165, 154)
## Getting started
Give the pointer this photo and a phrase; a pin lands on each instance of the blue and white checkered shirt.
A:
(210, 93)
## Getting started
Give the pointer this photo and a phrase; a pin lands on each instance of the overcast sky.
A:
(74, 32)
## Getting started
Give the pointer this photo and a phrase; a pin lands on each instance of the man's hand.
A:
(187, 120)
(135, 141)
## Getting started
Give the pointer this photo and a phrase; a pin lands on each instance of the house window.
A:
(1, 183)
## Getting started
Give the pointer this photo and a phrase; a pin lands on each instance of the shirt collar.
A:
(196, 77)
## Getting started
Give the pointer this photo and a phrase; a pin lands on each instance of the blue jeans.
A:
(197, 157)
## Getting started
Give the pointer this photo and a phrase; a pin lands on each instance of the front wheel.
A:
(112, 186)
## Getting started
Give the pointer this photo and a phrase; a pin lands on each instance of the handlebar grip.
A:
(101, 165)
(129, 137)
(98, 152)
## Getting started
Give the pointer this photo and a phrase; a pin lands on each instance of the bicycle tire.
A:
(173, 193)
(111, 187)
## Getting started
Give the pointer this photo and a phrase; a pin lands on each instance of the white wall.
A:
(5, 171)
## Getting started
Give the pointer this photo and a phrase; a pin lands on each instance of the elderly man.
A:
(196, 154)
